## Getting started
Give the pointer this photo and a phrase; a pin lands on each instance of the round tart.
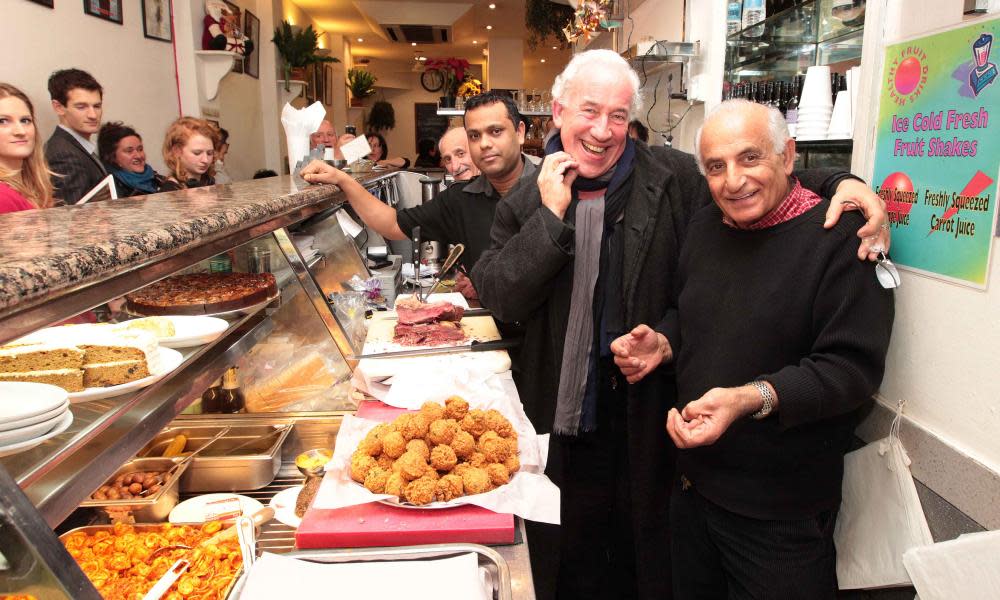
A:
(202, 293)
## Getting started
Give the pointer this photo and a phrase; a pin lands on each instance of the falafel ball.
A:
(513, 463)
(376, 480)
(475, 481)
(432, 411)
(443, 458)
(415, 427)
(420, 491)
(385, 461)
(449, 487)
(498, 474)
(463, 444)
(442, 431)
(394, 484)
(498, 423)
(371, 445)
(393, 444)
(456, 408)
(478, 460)
(411, 465)
(474, 422)
(494, 447)
(420, 447)
(360, 465)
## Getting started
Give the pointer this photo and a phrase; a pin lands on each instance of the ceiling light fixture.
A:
(361, 39)
(489, 27)
(543, 60)
(413, 43)
(555, 47)
(474, 42)
(492, 6)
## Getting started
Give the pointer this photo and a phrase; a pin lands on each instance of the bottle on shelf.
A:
(210, 397)
(734, 16)
(231, 399)
(792, 108)
(754, 12)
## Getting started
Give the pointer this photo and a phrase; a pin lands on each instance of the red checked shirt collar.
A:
(798, 201)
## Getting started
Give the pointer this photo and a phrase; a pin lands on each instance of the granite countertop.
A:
(46, 252)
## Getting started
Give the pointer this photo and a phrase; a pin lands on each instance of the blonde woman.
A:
(24, 175)
(189, 151)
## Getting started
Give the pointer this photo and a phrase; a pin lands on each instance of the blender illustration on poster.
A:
(985, 72)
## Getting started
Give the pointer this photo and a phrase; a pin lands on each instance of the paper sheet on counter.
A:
(529, 495)
(278, 576)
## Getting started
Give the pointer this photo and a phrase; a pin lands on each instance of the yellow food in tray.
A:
(438, 454)
(122, 561)
(176, 446)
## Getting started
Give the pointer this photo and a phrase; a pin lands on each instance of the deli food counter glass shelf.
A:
(788, 42)
(290, 351)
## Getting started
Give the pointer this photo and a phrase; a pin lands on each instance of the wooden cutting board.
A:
(383, 325)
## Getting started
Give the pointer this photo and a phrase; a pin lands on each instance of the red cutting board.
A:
(374, 524)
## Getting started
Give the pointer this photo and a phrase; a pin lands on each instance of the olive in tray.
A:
(137, 484)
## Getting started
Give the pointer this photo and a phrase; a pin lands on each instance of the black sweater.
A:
(793, 305)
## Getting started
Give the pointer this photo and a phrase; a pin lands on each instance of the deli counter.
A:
(293, 353)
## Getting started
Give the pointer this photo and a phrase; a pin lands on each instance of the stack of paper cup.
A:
(815, 105)
(841, 121)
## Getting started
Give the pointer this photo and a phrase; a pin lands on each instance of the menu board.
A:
(938, 150)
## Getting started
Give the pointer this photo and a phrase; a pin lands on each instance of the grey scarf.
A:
(579, 341)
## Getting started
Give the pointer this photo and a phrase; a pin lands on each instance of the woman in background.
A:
(380, 150)
(124, 156)
(24, 175)
(189, 151)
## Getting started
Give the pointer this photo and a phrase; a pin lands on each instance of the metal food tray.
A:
(145, 527)
(214, 471)
(495, 565)
(151, 508)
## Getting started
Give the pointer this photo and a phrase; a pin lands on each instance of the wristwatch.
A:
(767, 396)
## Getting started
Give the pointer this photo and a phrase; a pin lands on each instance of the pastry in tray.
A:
(202, 293)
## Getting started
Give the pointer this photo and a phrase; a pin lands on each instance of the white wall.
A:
(137, 73)
(943, 358)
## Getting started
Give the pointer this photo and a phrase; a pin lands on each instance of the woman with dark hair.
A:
(189, 151)
(124, 157)
(380, 152)
(24, 175)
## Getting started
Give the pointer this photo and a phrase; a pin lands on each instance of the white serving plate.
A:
(192, 510)
(194, 331)
(169, 360)
(283, 504)
(21, 434)
(63, 425)
(48, 416)
(23, 400)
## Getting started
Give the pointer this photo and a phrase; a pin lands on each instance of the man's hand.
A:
(640, 351)
(319, 172)
(703, 421)
(855, 195)
(555, 178)
(463, 285)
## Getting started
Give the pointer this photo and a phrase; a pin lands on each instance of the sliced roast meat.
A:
(411, 311)
(428, 334)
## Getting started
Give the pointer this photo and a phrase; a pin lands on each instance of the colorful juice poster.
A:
(938, 150)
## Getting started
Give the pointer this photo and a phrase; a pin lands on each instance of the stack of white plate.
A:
(815, 105)
(31, 413)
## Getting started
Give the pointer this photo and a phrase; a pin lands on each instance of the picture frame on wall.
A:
(251, 28)
(328, 85)
(311, 84)
(109, 10)
(318, 84)
(47, 3)
(156, 20)
(236, 10)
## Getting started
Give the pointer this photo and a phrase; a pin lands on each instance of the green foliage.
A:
(543, 19)
(361, 82)
(382, 117)
(298, 49)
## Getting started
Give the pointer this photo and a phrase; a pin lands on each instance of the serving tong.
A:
(449, 262)
(257, 519)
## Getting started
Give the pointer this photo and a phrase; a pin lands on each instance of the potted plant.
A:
(452, 71)
(361, 83)
(382, 117)
(298, 49)
(543, 18)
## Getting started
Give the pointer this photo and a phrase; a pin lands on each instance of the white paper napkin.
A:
(299, 124)
(356, 149)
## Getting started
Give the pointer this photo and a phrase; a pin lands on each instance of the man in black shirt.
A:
(463, 213)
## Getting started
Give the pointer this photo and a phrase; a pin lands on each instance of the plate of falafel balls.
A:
(435, 457)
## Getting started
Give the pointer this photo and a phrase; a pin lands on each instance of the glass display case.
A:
(291, 353)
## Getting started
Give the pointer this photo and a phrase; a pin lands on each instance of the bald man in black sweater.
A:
(782, 340)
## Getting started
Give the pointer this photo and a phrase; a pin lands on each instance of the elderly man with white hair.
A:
(765, 296)
(582, 255)
(455, 156)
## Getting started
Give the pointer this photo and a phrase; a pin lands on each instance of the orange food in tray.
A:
(121, 560)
